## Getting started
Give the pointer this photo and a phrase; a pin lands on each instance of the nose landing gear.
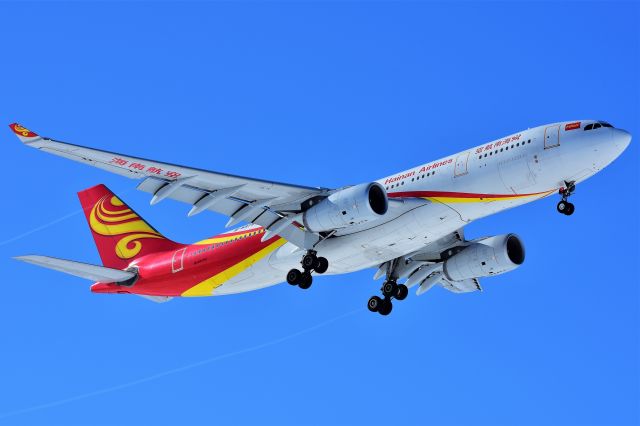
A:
(310, 262)
(390, 290)
(564, 206)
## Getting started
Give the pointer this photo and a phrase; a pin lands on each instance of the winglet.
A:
(25, 135)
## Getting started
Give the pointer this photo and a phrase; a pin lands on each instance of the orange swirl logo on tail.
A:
(110, 217)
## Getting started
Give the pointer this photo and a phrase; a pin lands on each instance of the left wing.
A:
(273, 205)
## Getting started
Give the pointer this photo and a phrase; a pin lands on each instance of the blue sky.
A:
(322, 94)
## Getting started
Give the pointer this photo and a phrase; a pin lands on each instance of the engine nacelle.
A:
(483, 258)
(348, 207)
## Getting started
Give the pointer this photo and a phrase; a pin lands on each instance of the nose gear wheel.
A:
(564, 206)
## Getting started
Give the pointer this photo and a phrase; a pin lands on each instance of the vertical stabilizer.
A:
(119, 233)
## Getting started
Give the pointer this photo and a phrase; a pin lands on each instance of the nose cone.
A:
(621, 139)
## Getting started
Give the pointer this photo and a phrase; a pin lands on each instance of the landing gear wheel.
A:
(322, 265)
(294, 277)
(374, 304)
(402, 292)
(570, 209)
(305, 281)
(562, 206)
(385, 307)
(309, 261)
(389, 288)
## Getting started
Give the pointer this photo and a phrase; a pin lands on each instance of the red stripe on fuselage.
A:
(200, 263)
(435, 194)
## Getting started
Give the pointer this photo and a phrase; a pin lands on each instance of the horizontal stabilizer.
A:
(157, 299)
(79, 269)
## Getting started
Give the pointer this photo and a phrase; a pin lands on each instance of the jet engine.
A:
(347, 207)
(486, 257)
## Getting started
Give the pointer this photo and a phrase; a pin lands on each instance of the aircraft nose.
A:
(621, 139)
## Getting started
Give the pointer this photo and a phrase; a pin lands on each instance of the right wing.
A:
(273, 205)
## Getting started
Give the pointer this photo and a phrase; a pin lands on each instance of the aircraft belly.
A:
(406, 234)
(259, 275)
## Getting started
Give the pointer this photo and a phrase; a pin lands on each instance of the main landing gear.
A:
(564, 206)
(310, 262)
(390, 290)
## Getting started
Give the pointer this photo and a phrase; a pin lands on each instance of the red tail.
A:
(120, 234)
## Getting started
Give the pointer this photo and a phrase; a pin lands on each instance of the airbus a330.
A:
(409, 226)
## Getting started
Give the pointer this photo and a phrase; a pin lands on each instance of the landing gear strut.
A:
(564, 206)
(390, 290)
(310, 262)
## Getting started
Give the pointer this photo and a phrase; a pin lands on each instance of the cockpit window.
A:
(597, 125)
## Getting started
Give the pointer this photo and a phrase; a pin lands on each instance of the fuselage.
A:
(428, 202)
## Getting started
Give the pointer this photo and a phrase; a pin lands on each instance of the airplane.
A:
(408, 225)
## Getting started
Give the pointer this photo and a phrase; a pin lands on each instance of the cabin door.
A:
(177, 264)
(462, 161)
(551, 137)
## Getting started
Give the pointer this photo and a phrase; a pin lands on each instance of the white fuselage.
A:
(431, 201)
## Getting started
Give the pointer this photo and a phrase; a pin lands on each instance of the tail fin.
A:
(119, 233)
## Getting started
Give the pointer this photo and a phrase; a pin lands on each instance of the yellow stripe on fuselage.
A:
(224, 238)
(446, 200)
(206, 287)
